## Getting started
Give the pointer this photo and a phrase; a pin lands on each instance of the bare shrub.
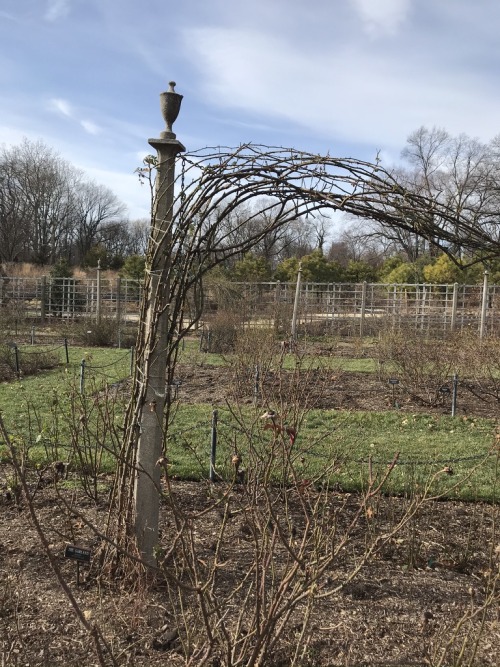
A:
(247, 593)
(282, 545)
(94, 634)
(14, 320)
(223, 330)
(255, 350)
(30, 361)
(93, 442)
(460, 642)
(283, 313)
(421, 365)
(80, 435)
(480, 367)
(103, 333)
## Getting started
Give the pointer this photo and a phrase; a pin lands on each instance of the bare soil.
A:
(403, 608)
(332, 390)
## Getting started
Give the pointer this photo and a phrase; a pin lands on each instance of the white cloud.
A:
(346, 92)
(90, 127)
(347, 77)
(65, 108)
(56, 9)
(382, 16)
(61, 106)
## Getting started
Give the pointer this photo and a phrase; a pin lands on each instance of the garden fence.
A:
(45, 298)
(360, 309)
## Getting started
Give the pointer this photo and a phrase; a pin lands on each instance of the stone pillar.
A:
(150, 445)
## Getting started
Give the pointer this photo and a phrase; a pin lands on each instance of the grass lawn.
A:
(332, 446)
(28, 405)
(336, 446)
(191, 354)
(110, 364)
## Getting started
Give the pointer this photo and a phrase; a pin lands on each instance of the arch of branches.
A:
(228, 199)
(221, 195)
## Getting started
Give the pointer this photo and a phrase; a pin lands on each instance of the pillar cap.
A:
(167, 142)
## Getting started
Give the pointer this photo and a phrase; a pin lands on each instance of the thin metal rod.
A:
(454, 392)
(213, 446)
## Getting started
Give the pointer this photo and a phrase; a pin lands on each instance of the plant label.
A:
(78, 554)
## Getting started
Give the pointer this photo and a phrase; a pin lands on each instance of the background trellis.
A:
(338, 308)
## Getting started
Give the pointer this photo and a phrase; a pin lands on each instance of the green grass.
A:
(191, 354)
(425, 443)
(30, 406)
(106, 364)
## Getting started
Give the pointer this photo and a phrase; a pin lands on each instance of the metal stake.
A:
(454, 395)
(213, 446)
(82, 376)
(256, 385)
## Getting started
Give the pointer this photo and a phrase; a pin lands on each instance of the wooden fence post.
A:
(43, 298)
(296, 304)
(454, 305)
(363, 310)
(118, 300)
(484, 306)
(98, 294)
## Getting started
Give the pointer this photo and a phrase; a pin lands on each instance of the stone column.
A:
(150, 445)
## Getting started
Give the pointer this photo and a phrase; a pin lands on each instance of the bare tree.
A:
(116, 239)
(459, 172)
(36, 197)
(363, 237)
(93, 206)
(47, 207)
(277, 243)
(139, 235)
(14, 232)
(320, 225)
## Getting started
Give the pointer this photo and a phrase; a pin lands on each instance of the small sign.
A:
(393, 381)
(78, 554)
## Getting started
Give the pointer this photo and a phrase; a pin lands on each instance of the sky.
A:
(351, 78)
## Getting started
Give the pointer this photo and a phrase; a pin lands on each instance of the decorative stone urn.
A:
(170, 103)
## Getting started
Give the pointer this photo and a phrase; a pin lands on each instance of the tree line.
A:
(49, 211)
(318, 267)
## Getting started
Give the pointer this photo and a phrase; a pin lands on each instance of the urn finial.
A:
(170, 103)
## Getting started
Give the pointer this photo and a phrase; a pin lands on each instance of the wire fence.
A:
(51, 299)
(360, 309)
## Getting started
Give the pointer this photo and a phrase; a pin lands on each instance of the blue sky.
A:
(348, 77)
